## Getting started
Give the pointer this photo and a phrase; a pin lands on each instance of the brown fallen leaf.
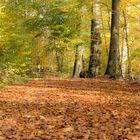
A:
(68, 129)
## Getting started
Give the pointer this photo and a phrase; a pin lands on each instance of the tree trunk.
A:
(126, 62)
(114, 41)
(78, 60)
(95, 49)
(59, 59)
(78, 64)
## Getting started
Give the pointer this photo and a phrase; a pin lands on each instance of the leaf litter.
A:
(70, 109)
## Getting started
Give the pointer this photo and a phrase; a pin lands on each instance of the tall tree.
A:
(95, 49)
(78, 64)
(114, 40)
(126, 62)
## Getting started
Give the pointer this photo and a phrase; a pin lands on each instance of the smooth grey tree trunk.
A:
(114, 41)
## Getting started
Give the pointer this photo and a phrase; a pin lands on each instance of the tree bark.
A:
(78, 64)
(78, 60)
(114, 40)
(95, 48)
(59, 59)
(126, 61)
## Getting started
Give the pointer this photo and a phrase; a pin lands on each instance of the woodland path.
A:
(70, 109)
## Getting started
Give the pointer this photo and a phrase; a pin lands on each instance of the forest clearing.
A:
(70, 109)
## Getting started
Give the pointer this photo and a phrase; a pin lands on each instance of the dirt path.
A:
(70, 109)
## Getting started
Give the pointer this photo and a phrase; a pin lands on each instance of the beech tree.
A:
(114, 40)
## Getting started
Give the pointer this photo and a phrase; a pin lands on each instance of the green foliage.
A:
(33, 31)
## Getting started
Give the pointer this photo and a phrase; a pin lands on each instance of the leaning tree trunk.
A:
(95, 48)
(114, 41)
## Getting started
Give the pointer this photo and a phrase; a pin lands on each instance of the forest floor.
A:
(70, 109)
